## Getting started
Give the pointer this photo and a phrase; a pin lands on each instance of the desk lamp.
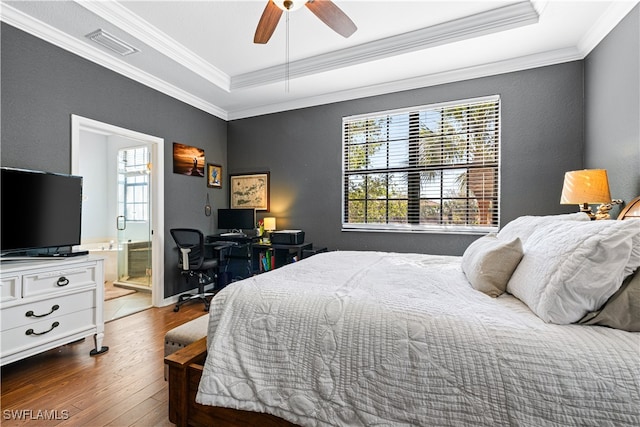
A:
(269, 226)
(586, 186)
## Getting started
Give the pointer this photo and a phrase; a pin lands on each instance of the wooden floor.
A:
(123, 387)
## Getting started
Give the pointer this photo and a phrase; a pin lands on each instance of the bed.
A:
(373, 338)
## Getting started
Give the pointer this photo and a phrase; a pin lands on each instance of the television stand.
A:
(49, 302)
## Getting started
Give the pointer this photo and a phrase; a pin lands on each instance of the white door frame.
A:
(79, 123)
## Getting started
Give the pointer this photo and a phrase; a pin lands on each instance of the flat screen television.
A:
(236, 219)
(41, 212)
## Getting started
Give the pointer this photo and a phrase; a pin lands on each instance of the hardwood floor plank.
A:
(123, 387)
(156, 417)
(114, 406)
(138, 413)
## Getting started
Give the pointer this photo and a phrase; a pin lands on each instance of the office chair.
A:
(192, 263)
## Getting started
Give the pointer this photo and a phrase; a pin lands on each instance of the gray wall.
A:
(542, 137)
(43, 85)
(543, 132)
(612, 113)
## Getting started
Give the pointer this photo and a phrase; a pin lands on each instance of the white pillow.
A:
(489, 262)
(524, 226)
(571, 268)
(635, 252)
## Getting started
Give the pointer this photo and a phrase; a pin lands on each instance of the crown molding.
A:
(44, 31)
(439, 34)
(485, 70)
(492, 21)
(615, 13)
(137, 27)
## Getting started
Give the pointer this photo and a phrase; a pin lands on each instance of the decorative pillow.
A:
(570, 268)
(622, 310)
(524, 226)
(489, 262)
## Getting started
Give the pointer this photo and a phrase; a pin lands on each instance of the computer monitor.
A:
(236, 219)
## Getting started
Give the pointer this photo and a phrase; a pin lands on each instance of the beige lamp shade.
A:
(269, 223)
(585, 186)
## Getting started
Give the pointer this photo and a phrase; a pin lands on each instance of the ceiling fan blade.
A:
(268, 22)
(333, 16)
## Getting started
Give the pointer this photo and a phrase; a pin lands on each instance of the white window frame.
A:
(126, 206)
(414, 226)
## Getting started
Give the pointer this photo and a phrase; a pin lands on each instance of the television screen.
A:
(39, 210)
(236, 219)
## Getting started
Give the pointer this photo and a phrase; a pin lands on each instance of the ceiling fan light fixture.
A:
(289, 5)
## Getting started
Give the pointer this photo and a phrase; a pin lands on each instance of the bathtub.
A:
(107, 250)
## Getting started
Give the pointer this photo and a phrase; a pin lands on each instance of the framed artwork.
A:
(214, 175)
(188, 160)
(249, 191)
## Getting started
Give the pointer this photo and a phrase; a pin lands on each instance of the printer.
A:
(287, 237)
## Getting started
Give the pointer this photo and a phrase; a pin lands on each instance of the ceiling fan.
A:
(326, 10)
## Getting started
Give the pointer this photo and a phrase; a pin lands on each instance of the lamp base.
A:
(584, 207)
(603, 209)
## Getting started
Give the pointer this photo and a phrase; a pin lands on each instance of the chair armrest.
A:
(185, 258)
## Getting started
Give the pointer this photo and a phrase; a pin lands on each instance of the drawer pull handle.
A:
(63, 281)
(53, 325)
(30, 313)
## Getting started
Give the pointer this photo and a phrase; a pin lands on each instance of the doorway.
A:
(133, 222)
(127, 207)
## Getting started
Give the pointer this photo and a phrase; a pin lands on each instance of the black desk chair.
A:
(192, 263)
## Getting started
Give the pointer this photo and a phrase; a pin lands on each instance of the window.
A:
(428, 168)
(133, 184)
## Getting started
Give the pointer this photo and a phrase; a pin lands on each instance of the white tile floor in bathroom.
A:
(126, 305)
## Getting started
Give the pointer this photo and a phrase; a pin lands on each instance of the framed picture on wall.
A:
(188, 160)
(249, 191)
(214, 175)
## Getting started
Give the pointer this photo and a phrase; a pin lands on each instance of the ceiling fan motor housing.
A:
(289, 5)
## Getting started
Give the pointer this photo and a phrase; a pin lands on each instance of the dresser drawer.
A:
(57, 280)
(45, 331)
(10, 288)
(33, 312)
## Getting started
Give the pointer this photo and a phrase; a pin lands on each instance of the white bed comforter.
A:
(382, 339)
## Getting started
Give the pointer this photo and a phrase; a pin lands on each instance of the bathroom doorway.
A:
(123, 215)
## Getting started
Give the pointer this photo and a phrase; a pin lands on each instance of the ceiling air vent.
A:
(111, 42)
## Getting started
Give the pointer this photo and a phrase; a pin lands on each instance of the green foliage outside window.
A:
(429, 166)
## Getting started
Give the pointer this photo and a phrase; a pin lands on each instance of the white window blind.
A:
(428, 168)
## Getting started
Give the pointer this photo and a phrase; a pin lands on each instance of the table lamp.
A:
(269, 226)
(586, 186)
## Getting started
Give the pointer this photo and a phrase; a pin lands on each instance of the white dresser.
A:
(46, 303)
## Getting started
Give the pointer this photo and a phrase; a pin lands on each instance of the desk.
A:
(283, 254)
(237, 247)
(248, 249)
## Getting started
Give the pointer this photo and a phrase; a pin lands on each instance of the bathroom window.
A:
(133, 183)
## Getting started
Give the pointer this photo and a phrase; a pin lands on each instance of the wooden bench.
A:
(183, 335)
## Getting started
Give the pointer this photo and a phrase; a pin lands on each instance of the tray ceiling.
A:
(202, 52)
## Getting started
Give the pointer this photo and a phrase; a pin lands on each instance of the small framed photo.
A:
(249, 191)
(188, 160)
(214, 175)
